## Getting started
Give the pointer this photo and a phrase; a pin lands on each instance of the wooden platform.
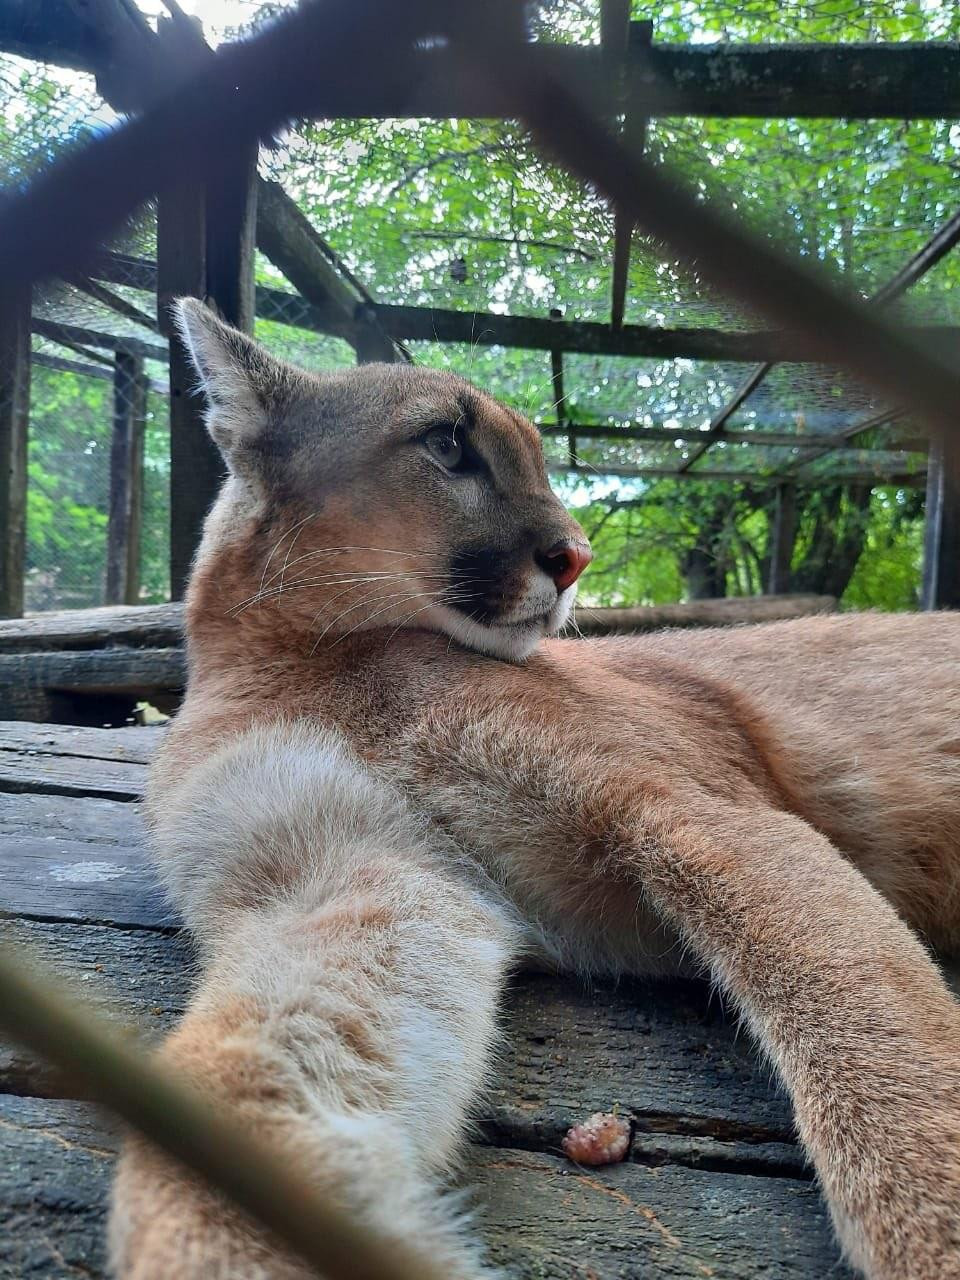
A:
(714, 1185)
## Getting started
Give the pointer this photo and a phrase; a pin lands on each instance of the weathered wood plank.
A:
(63, 858)
(140, 626)
(659, 1051)
(540, 1216)
(662, 1052)
(137, 978)
(56, 1160)
(31, 771)
(545, 1219)
(133, 744)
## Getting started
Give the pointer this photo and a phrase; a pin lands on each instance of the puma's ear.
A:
(246, 388)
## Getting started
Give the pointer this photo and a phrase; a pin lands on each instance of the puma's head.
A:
(383, 496)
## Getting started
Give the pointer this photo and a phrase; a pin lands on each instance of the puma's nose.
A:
(564, 562)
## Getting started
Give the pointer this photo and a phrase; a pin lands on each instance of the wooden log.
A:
(701, 613)
(941, 544)
(139, 626)
(14, 428)
(160, 626)
(126, 481)
(32, 685)
(782, 537)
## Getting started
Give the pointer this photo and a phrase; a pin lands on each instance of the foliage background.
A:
(465, 214)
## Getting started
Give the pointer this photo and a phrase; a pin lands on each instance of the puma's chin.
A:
(512, 641)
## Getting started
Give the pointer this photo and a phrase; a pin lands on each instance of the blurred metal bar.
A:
(274, 1189)
(835, 328)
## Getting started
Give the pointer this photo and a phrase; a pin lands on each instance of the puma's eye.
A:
(441, 444)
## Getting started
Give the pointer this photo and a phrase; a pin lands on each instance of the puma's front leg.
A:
(349, 1033)
(346, 1011)
(849, 1006)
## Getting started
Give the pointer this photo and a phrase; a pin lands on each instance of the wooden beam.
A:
(14, 429)
(941, 544)
(126, 482)
(759, 479)
(730, 611)
(783, 536)
(73, 335)
(759, 437)
(231, 229)
(438, 324)
(290, 241)
(904, 81)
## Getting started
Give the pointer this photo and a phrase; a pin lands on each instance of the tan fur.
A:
(363, 831)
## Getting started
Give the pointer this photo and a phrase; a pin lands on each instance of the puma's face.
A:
(385, 496)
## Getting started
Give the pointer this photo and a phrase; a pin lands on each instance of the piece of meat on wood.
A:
(603, 1138)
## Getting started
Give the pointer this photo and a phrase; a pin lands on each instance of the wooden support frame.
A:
(14, 432)
(783, 535)
(905, 81)
(206, 239)
(941, 544)
(124, 520)
(618, 36)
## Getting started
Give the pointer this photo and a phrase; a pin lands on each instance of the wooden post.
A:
(941, 543)
(205, 248)
(206, 239)
(126, 481)
(783, 536)
(194, 463)
(559, 395)
(14, 426)
(232, 239)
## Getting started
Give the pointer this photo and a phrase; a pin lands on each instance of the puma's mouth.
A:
(511, 638)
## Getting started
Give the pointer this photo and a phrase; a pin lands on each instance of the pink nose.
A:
(564, 562)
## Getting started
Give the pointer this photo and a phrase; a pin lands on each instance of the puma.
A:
(388, 784)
